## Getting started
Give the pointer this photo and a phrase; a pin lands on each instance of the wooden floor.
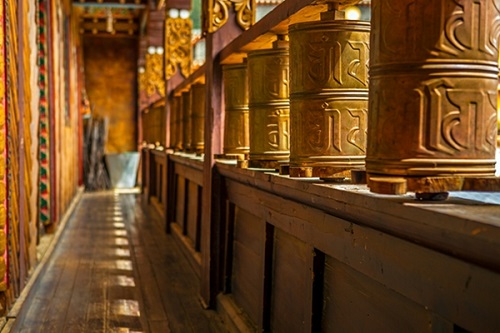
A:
(115, 270)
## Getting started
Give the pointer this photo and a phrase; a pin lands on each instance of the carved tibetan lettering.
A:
(358, 67)
(468, 29)
(278, 130)
(456, 119)
(324, 62)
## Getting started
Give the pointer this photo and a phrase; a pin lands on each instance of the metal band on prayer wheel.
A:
(236, 127)
(186, 121)
(433, 87)
(269, 106)
(328, 95)
(198, 117)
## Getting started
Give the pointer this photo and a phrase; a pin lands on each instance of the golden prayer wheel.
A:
(269, 106)
(198, 117)
(433, 83)
(178, 125)
(186, 121)
(328, 96)
(173, 104)
(236, 127)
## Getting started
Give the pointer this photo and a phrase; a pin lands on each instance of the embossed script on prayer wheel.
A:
(198, 117)
(269, 105)
(328, 96)
(186, 121)
(433, 86)
(236, 127)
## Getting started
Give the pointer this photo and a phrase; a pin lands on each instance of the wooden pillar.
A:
(220, 27)
(433, 88)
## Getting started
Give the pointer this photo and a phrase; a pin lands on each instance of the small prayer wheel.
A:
(186, 121)
(177, 124)
(433, 88)
(269, 105)
(173, 105)
(328, 96)
(197, 117)
(236, 125)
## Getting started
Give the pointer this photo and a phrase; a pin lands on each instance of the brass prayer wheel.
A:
(269, 106)
(177, 123)
(433, 86)
(236, 123)
(328, 96)
(198, 117)
(186, 121)
(173, 105)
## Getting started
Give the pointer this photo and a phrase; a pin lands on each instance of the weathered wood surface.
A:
(116, 270)
(462, 228)
(367, 264)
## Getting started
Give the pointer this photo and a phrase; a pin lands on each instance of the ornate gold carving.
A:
(178, 49)
(154, 75)
(217, 13)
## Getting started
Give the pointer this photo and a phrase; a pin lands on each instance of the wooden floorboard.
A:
(115, 270)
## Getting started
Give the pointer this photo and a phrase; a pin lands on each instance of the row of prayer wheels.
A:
(187, 121)
(414, 97)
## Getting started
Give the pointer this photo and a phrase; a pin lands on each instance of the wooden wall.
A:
(111, 76)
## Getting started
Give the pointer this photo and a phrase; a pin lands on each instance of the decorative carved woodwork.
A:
(186, 121)
(269, 105)
(328, 95)
(154, 75)
(236, 127)
(198, 117)
(178, 49)
(433, 87)
(216, 13)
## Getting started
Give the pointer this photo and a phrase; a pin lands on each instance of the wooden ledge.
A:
(463, 228)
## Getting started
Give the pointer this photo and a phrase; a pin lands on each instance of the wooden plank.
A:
(354, 302)
(425, 223)
(292, 284)
(192, 214)
(247, 264)
(452, 288)
(180, 210)
(193, 175)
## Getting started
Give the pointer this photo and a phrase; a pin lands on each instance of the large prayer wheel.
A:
(433, 86)
(328, 96)
(198, 117)
(269, 105)
(186, 121)
(236, 126)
